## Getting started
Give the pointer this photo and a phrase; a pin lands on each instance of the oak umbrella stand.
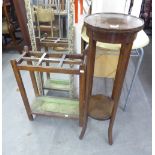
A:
(51, 63)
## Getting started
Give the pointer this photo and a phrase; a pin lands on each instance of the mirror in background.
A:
(50, 20)
(50, 24)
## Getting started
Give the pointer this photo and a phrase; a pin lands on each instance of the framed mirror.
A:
(50, 24)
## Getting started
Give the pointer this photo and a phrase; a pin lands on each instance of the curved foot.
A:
(82, 132)
(83, 128)
(30, 117)
(110, 136)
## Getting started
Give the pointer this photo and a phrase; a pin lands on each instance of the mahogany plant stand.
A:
(109, 28)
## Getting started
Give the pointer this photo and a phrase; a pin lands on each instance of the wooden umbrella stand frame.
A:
(43, 62)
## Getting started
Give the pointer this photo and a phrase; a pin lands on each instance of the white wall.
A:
(117, 6)
(136, 8)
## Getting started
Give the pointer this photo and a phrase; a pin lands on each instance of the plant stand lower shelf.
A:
(53, 106)
(100, 107)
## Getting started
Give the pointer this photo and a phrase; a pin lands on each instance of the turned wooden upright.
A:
(108, 28)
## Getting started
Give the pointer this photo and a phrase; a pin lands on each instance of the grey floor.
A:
(51, 136)
(145, 72)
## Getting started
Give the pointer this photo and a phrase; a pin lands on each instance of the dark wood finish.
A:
(11, 30)
(48, 69)
(89, 78)
(100, 107)
(48, 74)
(118, 82)
(22, 89)
(113, 23)
(34, 62)
(82, 94)
(108, 28)
(22, 19)
(32, 75)
(33, 80)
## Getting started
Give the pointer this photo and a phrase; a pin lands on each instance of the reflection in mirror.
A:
(50, 24)
(50, 20)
